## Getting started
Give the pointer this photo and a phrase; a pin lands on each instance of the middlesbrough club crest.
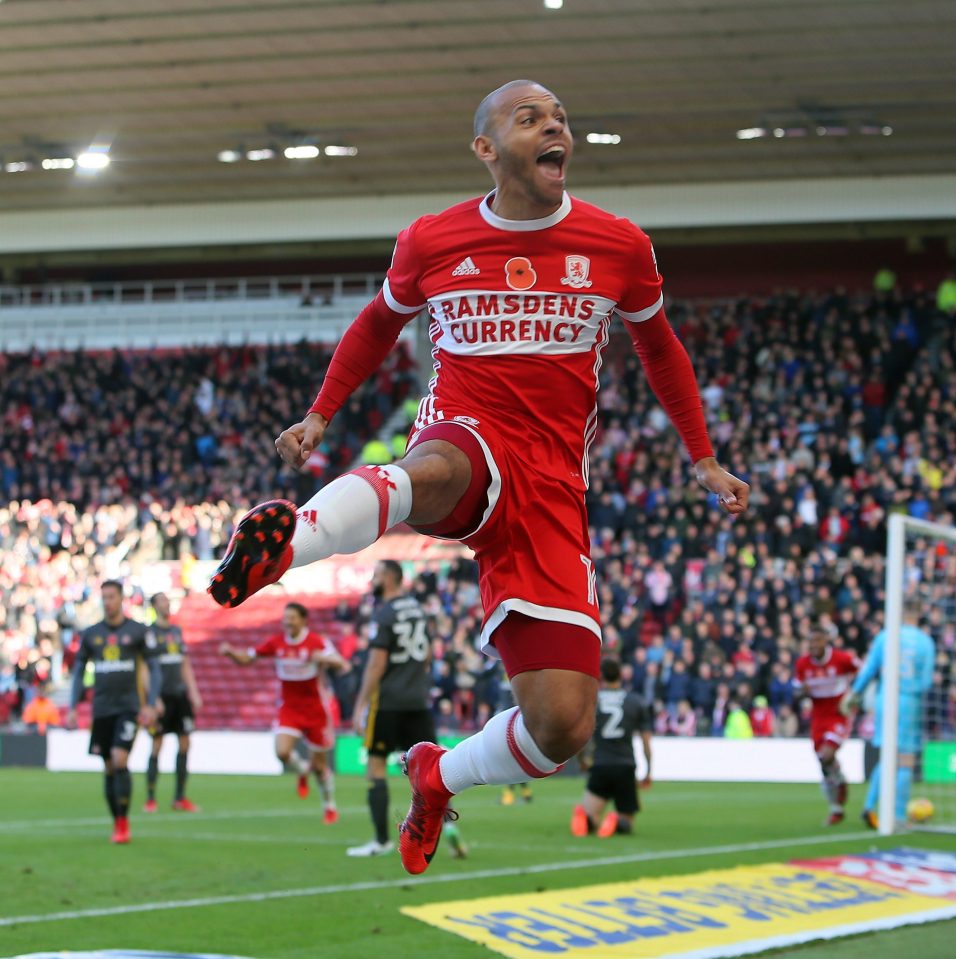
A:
(576, 272)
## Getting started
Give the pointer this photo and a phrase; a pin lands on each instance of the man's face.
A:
(818, 645)
(529, 143)
(378, 581)
(292, 621)
(112, 602)
(161, 605)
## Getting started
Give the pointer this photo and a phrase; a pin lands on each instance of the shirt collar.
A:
(522, 226)
(826, 657)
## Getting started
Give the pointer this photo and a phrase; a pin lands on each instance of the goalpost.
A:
(920, 569)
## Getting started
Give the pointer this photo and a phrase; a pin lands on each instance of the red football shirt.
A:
(827, 680)
(298, 674)
(520, 313)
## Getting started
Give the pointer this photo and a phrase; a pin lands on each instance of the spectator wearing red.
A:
(835, 528)
(761, 717)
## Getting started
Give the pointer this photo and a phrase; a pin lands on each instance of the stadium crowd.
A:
(110, 461)
(173, 426)
(834, 407)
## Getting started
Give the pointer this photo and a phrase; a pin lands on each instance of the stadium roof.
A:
(168, 85)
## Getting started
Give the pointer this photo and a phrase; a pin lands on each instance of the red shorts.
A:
(312, 722)
(530, 536)
(829, 731)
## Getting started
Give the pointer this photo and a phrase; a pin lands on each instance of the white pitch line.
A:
(26, 825)
(244, 837)
(431, 880)
(233, 838)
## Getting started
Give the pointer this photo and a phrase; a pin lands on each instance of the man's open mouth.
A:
(552, 162)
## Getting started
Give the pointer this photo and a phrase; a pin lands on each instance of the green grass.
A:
(256, 836)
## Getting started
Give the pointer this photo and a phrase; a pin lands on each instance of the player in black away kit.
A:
(392, 707)
(612, 776)
(181, 701)
(116, 646)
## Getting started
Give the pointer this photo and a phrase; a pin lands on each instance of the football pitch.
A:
(257, 874)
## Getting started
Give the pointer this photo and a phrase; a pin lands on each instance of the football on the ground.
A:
(919, 810)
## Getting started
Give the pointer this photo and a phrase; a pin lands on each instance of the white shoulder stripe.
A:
(641, 315)
(394, 305)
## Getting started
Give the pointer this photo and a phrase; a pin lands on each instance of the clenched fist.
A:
(733, 494)
(295, 445)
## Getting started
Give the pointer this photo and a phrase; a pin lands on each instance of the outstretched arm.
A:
(871, 665)
(671, 375)
(331, 660)
(240, 657)
(360, 352)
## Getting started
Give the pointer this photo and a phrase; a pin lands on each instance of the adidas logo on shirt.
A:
(466, 268)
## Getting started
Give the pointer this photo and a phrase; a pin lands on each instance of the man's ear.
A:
(484, 148)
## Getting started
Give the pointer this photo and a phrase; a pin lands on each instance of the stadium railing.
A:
(318, 287)
(175, 313)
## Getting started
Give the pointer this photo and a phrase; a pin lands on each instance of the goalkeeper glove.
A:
(849, 702)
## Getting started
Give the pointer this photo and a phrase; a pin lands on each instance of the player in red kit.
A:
(300, 658)
(521, 287)
(825, 674)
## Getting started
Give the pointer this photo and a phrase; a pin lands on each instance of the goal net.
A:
(916, 684)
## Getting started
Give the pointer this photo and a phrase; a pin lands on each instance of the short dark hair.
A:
(610, 670)
(486, 107)
(299, 608)
(394, 569)
(912, 608)
(154, 597)
(115, 583)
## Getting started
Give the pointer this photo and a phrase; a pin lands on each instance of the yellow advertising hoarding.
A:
(726, 912)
